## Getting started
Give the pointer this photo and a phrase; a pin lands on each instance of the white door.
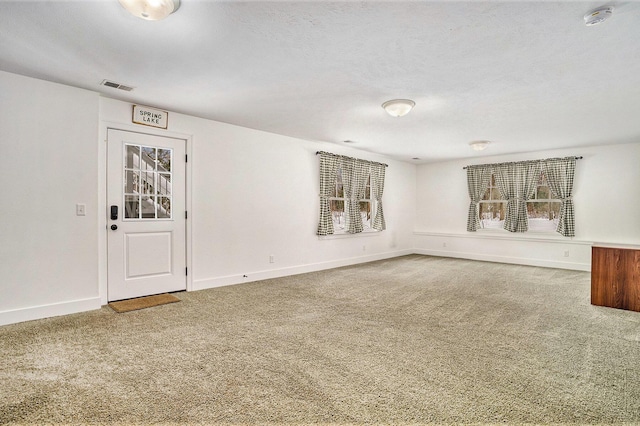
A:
(146, 178)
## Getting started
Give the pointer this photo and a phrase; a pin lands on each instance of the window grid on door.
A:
(147, 182)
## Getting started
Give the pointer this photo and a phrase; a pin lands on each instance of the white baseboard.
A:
(576, 266)
(293, 270)
(75, 306)
(45, 311)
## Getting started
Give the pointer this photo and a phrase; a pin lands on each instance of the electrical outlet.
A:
(81, 209)
(364, 248)
(566, 253)
(272, 258)
(444, 245)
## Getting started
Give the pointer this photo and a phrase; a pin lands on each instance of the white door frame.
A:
(102, 198)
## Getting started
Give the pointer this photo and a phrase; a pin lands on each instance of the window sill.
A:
(533, 233)
(339, 235)
(501, 234)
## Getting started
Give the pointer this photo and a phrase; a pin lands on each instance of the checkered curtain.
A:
(354, 179)
(362, 171)
(377, 188)
(517, 183)
(329, 165)
(559, 173)
(478, 178)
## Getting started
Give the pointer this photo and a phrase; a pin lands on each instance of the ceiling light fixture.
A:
(151, 10)
(479, 145)
(398, 107)
(597, 16)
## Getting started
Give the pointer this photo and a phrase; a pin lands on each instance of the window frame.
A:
(490, 198)
(368, 224)
(143, 188)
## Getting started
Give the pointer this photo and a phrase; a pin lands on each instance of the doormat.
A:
(142, 302)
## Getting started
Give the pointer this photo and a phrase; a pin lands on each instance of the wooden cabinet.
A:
(615, 277)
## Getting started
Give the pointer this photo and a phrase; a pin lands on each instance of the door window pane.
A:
(164, 184)
(164, 160)
(164, 207)
(131, 206)
(147, 182)
(149, 157)
(132, 157)
(131, 182)
(148, 207)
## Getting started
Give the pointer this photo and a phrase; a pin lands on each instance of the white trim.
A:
(576, 266)
(46, 311)
(292, 270)
(102, 197)
(461, 250)
(338, 235)
(494, 235)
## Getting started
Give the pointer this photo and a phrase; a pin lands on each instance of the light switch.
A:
(81, 209)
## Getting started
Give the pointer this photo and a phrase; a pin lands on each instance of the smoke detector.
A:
(597, 16)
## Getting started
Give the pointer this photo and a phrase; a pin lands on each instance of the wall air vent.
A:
(116, 85)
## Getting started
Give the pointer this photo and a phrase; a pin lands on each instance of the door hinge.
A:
(186, 158)
(186, 214)
(186, 271)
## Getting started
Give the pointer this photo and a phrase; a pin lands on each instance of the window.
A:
(339, 206)
(543, 210)
(350, 195)
(147, 182)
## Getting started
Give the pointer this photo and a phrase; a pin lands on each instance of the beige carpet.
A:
(412, 340)
(142, 302)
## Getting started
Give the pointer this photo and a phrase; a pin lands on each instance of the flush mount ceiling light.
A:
(479, 145)
(398, 107)
(597, 16)
(151, 10)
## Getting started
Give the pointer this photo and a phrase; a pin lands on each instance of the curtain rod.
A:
(350, 158)
(514, 162)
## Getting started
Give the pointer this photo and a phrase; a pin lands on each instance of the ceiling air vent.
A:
(116, 85)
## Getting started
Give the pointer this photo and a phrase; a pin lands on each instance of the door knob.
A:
(114, 227)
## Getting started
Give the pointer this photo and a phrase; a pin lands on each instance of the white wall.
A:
(255, 194)
(606, 199)
(252, 194)
(48, 164)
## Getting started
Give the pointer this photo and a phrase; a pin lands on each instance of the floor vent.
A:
(116, 85)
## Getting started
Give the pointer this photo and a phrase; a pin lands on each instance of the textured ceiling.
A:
(526, 75)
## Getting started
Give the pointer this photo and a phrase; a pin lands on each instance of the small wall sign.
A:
(150, 116)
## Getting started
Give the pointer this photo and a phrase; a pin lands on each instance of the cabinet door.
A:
(630, 292)
(615, 278)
